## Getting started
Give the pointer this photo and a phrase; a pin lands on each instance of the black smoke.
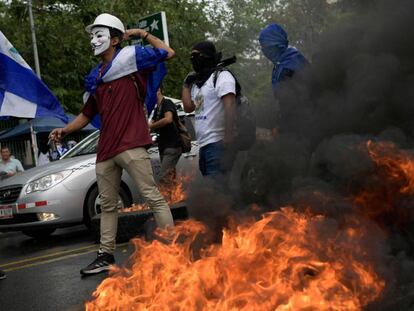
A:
(359, 88)
(360, 81)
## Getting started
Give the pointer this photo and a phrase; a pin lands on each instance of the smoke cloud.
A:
(359, 88)
(360, 81)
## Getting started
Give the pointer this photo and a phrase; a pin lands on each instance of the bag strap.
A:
(181, 127)
(159, 110)
(220, 70)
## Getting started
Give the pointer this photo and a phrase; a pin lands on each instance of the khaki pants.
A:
(108, 174)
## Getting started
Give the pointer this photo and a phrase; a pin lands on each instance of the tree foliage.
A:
(65, 54)
(64, 50)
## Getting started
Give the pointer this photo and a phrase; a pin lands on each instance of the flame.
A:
(397, 164)
(392, 180)
(175, 193)
(285, 261)
(134, 208)
(288, 260)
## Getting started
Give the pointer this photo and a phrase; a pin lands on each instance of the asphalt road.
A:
(44, 275)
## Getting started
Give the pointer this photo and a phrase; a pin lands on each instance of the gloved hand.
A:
(190, 79)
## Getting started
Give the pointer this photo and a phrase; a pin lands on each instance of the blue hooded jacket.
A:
(275, 46)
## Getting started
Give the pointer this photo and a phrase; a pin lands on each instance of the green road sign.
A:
(155, 24)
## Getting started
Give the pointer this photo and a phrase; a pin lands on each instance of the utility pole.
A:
(37, 67)
(32, 28)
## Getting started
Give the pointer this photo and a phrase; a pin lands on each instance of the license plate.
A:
(6, 211)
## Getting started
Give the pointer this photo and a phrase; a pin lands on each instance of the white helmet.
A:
(107, 20)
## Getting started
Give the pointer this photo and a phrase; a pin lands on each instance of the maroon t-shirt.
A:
(123, 121)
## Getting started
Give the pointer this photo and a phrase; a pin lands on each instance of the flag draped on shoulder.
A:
(22, 93)
(126, 61)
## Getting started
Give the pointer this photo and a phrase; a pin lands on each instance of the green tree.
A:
(187, 24)
(64, 51)
(65, 54)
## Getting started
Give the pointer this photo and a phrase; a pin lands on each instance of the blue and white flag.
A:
(22, 93)
(128, 60)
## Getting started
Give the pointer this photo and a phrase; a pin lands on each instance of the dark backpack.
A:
(245, 123)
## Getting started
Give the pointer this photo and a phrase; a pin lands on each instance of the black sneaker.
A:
(2, 275)
(102, 263)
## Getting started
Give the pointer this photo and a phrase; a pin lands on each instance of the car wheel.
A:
(254, 183)
(93, 208)
(39, 234)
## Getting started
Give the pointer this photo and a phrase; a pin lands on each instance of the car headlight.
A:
(47, 181)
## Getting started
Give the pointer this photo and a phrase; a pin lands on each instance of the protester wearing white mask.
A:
(101, 40)
(115, 91)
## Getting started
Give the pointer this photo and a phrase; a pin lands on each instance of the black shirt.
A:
(168, 135)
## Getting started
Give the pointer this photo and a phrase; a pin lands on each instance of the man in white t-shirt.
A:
(8, 165)
(214, 106)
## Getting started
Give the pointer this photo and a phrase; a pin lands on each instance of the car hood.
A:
(53, 167)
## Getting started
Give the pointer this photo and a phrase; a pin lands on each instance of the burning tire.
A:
(137, 223)
(254, 182)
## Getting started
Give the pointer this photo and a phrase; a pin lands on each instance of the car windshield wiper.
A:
(82, 153)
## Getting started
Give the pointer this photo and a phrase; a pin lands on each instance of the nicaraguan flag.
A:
(126, 61)
(22, 93)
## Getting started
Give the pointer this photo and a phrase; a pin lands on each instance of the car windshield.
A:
(86, 146)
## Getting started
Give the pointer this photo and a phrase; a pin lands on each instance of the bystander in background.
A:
(165, 124)
(9, 166)
(43, 156)
(71, 143)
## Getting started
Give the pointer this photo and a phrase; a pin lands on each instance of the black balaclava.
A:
(204, 62)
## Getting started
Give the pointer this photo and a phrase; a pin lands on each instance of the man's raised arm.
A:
(153, 40)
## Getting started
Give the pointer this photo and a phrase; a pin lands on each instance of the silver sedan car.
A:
(65, 192)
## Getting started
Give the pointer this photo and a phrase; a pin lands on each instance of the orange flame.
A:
(285, 261)
(393, 180)
(398, 164)
(176, 192)
(173, 194)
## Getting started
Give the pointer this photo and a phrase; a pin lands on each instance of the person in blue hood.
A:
(286, 59)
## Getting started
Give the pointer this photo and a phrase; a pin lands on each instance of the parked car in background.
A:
(65, 193)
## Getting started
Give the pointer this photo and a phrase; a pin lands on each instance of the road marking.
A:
(48, 261)
(47, 255)
(90, 249)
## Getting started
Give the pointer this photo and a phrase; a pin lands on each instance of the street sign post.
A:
(155, 24)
